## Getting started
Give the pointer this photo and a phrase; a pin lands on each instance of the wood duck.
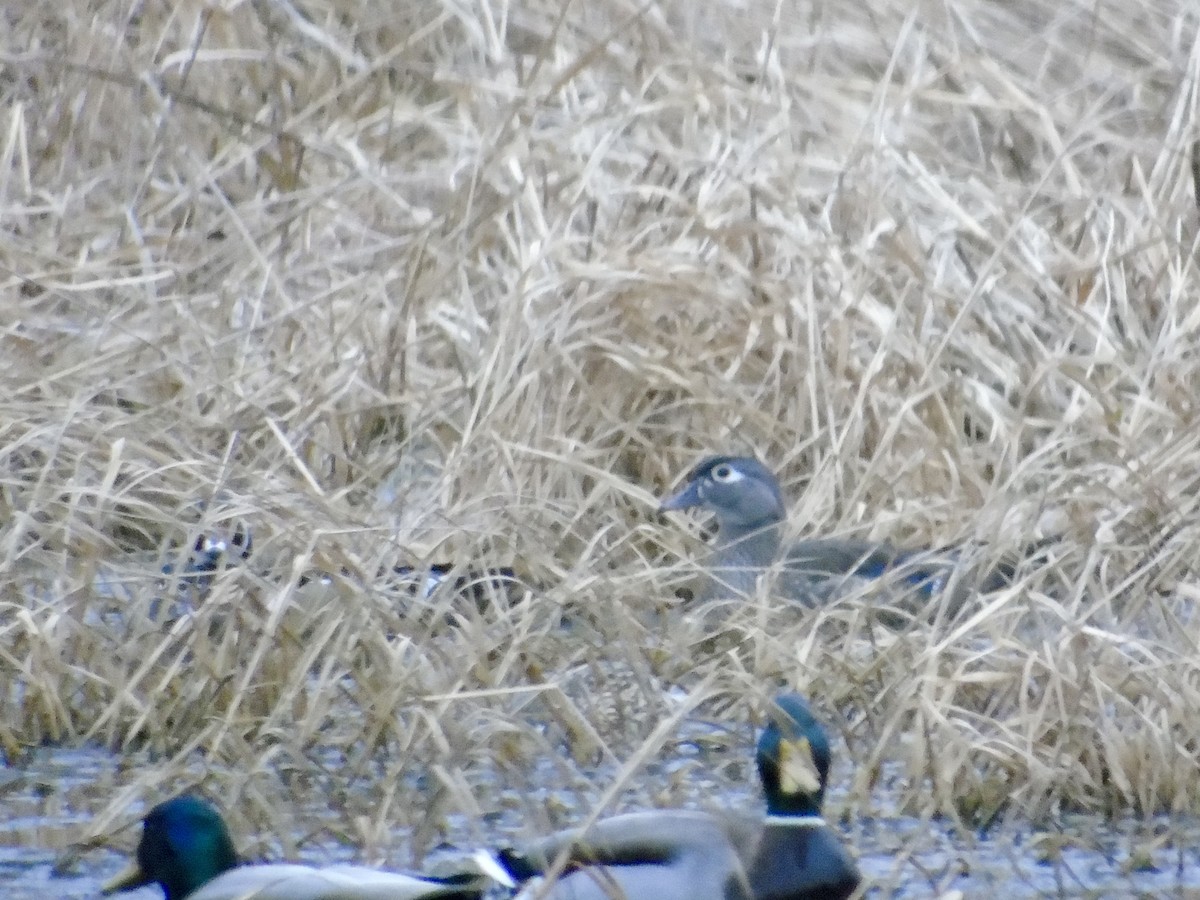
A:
(211, 552)
(431, 592)
(186, 849)
(745, 497)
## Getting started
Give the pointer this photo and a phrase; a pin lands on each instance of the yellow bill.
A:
(797, 769)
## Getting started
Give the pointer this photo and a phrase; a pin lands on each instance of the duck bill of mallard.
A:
(129, 879)
(686, 498)
(797, 768)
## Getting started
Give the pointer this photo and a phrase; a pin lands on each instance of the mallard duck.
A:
(186, 849)
(791, 854)
(798, 856)
(750, 510)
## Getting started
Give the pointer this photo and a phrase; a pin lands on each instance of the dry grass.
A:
(476, 281)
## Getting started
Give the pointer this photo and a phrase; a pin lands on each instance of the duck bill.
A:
(685, 499)
(797, 770)
(132, 877)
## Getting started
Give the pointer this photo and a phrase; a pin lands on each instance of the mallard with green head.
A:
(798, 856)
(791, 854)
(186, 849)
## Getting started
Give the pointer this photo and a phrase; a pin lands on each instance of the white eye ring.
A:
(726, 474)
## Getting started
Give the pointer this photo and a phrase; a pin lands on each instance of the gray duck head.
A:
(745, 498)
(741, 492)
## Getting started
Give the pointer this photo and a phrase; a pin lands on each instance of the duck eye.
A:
(724, 472)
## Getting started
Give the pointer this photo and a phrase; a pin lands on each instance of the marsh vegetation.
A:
(476, 282)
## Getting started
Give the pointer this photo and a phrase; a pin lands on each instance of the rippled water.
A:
(49, 801)
(42, 818)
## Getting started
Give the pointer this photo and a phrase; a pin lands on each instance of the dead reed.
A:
(474, 282)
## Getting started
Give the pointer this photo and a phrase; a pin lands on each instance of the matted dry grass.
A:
(477, 281)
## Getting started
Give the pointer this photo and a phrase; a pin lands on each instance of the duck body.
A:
(658, 855)
(286, 881)
(186, 849)
(746, 499)
(802, 860)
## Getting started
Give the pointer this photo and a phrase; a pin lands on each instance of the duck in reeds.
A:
(211, 552)
(791, 854)
(186, 849)
(434, 580)
(479, 585)
(191, 572)
(214, 550)
(745, 497)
